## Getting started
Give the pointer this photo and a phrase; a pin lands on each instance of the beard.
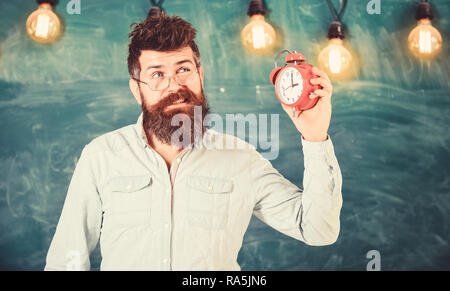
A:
(176, 126)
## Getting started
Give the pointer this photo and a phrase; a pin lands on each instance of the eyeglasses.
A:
(161, 83)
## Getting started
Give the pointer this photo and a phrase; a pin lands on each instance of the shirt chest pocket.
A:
(131, 199)
(209, 200)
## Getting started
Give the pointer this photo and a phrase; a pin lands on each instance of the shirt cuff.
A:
(318, 149)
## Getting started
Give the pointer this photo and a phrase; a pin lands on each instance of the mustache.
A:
(183, 94)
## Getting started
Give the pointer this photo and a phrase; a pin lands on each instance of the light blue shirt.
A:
(121, 194)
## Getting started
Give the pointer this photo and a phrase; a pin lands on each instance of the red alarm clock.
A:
(292, 82)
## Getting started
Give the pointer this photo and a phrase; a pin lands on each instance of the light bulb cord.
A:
(424, 10)
(158, 4)
(256, 7)
(336, 30)
(51, 2)
(337, 16)
(156, 9)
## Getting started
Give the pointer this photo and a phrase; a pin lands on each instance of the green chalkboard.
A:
(389, 125)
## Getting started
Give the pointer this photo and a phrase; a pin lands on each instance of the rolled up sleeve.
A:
(310, 215)
(78, 229)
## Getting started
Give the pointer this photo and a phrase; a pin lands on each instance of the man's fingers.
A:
(326, 85)
(320, 73)
(321, 93)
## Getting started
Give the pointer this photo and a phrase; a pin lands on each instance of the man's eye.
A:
(183, 70)
(157, 75)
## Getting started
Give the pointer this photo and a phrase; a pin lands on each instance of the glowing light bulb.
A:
(258, 36)
(424, 40)
(43, 25)
(335, 59)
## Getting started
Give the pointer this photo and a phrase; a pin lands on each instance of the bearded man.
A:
(160, 195)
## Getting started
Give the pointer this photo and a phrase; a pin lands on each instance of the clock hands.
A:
(293, 85)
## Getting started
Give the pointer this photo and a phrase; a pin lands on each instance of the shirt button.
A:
(166, 225)
(165, 261)
(128, 187)
(210, 187)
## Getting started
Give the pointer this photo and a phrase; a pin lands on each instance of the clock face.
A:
(289, 85)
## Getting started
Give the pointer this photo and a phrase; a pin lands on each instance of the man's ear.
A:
(134, 87)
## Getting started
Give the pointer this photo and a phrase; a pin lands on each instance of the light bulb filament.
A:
(335, 61)
(258, 36)
(42, 25)
(425, 42)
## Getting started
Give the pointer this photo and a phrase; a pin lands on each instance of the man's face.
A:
(181, 90)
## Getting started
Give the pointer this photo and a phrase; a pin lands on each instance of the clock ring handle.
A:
(279, 54)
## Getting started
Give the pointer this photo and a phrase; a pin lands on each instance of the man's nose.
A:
(173, 85)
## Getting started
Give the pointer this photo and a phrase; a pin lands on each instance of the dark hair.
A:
(160, 33)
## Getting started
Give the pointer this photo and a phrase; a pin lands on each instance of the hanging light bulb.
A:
(335, 59)
(43, 25)
(424, 40)
(258, 36)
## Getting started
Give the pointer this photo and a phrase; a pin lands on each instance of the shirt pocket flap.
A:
(210, 185)
(130, 183)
